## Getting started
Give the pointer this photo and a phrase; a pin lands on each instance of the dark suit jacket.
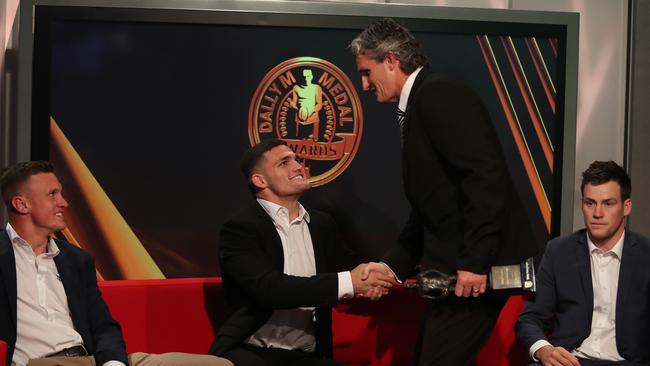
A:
(564, 300)
(101, 335)
(458, 185)
(252, 263)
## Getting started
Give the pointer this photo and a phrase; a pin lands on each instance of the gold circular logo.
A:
(313, 106)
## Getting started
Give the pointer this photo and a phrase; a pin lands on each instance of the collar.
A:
(51, 251)
(276, 211)
(617, 249)
(406, 90)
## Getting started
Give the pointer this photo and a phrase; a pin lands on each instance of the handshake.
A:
(372, 280)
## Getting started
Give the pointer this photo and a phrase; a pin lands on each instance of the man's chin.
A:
(58, 228)
(307, 186)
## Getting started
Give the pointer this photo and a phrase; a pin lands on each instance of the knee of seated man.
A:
(176, 359)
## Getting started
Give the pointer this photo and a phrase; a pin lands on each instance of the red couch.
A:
(3, 351)
(183, 314)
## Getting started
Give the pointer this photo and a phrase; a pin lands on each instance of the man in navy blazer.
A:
(51, 310)
(592, 305)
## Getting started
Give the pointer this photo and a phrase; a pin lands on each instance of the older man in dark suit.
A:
(593, 285)
(466, 215)
(283, 268)
(51, 310)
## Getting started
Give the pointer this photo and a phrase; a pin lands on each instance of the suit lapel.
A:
(271, 238)
(8, 272)
(317, 238)
(419, 79)
(71, 283)
(584, 268)
(408, 122)
(626, 271)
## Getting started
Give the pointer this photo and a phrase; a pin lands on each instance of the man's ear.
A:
(20, 205)
(627, 207)
(391, 60)
(258, 181)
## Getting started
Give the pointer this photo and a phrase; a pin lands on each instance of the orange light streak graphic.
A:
(553, 43)
(132, 259)
(520, 142)
(529, 100)
(542, 73)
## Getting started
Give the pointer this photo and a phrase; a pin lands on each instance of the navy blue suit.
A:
(102, 336)
(564, 299)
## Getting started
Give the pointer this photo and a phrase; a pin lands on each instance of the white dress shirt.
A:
(406, 90)
(605, 267)
(294, 328)
(601, 342)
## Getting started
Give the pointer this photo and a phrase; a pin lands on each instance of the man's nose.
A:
(296, 165)
(63, 202)
(598, 211)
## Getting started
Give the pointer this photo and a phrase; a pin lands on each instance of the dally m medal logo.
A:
(313, 106)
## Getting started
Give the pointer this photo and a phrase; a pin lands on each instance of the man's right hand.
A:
(555, 356)
(372, 280)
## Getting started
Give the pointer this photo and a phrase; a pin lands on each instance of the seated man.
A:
(283, 268)
(51, 310)
(592, 286)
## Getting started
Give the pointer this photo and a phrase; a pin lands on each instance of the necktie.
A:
(400, 120)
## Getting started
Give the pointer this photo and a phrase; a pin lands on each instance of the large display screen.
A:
(145, 114)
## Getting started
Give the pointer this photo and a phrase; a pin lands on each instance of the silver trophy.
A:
(434, 284)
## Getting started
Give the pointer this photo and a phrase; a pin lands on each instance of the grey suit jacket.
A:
(102, 336)
(564, 300)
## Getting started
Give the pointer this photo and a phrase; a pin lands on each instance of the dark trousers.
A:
(454, 330)
(247, 355)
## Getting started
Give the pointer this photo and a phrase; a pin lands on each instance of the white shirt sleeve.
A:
(346, 289)
(536, 346)
(113, 363)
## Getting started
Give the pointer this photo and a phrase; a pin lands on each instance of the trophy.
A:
(434, 284)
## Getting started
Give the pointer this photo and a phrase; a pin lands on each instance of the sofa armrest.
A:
(3, 351)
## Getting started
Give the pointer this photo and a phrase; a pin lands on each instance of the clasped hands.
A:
(372, 280)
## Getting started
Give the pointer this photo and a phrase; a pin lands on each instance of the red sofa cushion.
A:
(183, 314)
(3, 351)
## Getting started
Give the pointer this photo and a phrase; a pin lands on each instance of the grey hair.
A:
(386, 35)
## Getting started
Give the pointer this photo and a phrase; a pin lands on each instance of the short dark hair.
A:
(386, 35)
(601, 172)
(253, 156)
(18, 174)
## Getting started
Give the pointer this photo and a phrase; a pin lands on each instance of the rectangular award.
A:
(515, 276)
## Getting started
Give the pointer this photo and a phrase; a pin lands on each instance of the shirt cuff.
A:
(346, 290)
(113, 363)
(536, 346)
